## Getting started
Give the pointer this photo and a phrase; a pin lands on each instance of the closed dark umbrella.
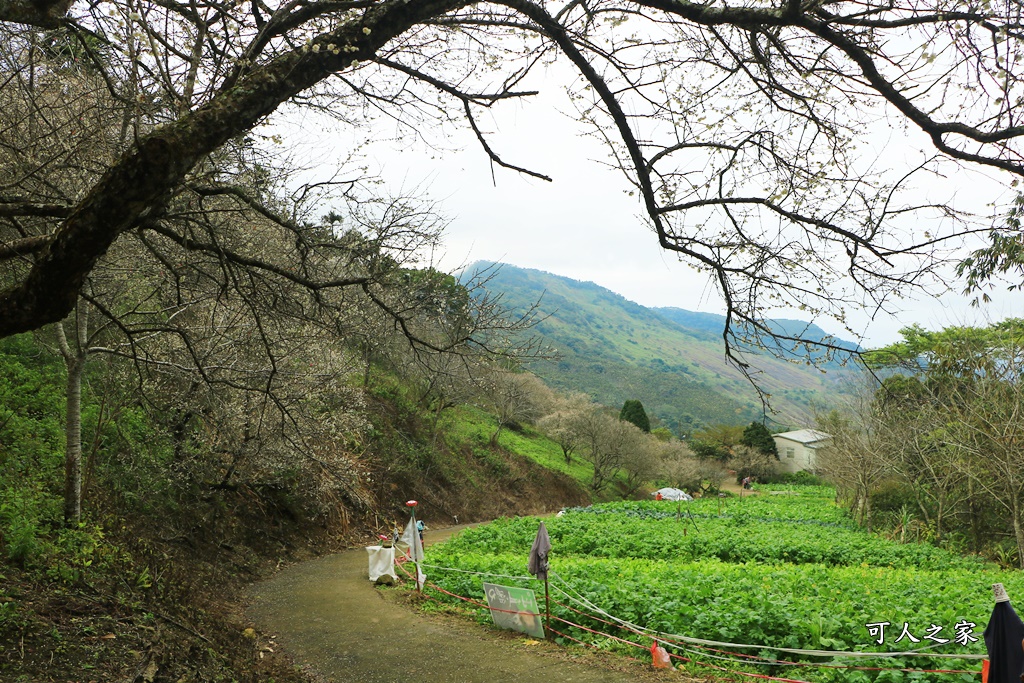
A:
(1004, 639)
(538, 566)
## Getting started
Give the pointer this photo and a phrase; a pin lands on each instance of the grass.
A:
(469, 425)
(473, 426)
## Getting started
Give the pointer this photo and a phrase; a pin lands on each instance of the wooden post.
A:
(547, 610)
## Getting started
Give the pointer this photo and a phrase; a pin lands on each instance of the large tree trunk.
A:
(157, 164)
(73, 447)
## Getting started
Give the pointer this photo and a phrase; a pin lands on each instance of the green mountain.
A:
(713, 324)
(670, 359)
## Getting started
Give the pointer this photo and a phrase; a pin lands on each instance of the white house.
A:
(799, 450)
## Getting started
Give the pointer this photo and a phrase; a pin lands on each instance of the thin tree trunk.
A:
(867, 509)
(1018, 530)
(973, 511)
(73, 447)
(497, 432)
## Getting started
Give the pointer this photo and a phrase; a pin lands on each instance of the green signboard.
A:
(514, 608)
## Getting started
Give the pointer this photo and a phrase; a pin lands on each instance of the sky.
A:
(583, 225)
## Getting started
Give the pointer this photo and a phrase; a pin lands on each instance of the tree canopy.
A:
(751, 132)
(757, 436)
(946, 423)
(633, 412)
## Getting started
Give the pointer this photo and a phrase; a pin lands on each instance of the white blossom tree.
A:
(750, 131)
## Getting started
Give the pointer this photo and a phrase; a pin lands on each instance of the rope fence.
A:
(701, 652)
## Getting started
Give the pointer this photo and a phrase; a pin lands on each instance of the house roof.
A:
(805, 436)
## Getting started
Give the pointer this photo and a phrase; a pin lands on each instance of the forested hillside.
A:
(173, 525)
(670, 359)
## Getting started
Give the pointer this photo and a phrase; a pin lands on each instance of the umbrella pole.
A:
(547, 609)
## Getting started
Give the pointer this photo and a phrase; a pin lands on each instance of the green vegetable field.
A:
(782, 569)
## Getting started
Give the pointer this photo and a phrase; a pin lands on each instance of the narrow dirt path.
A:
(328, 616)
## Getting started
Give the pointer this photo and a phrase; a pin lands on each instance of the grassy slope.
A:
(616, 350)
(469, 425)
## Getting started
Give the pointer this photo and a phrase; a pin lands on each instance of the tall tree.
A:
(605, 442)
(514, 397)
(757, 436)
(634, 413)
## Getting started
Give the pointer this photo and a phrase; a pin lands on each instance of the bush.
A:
(27, 516)
(892, 496)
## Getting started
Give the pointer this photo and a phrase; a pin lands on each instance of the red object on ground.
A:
(659, 657)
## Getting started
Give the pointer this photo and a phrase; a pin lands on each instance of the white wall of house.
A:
(799, 450)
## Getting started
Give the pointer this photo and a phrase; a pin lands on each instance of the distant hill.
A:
(669, 358)
(713, 324)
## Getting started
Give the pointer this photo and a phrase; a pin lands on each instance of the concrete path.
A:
(328, 616)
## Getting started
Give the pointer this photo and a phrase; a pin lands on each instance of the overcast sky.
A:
(584, 225)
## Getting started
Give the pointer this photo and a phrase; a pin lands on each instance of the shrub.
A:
(801, 478)
(892, 496)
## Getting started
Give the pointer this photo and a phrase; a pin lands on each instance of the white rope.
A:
(658, 635)
(666, 638)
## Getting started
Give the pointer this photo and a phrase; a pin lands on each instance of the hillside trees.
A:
(922, 455)
(560, 423)
(856, 457)
(777, 209)
(681, 469)
(241, 310)
(619, 451)
(750, 462)
(956, 409)
(607, 443)
(642, 463)
(715, 442)
(991, 432)
(513, 397)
